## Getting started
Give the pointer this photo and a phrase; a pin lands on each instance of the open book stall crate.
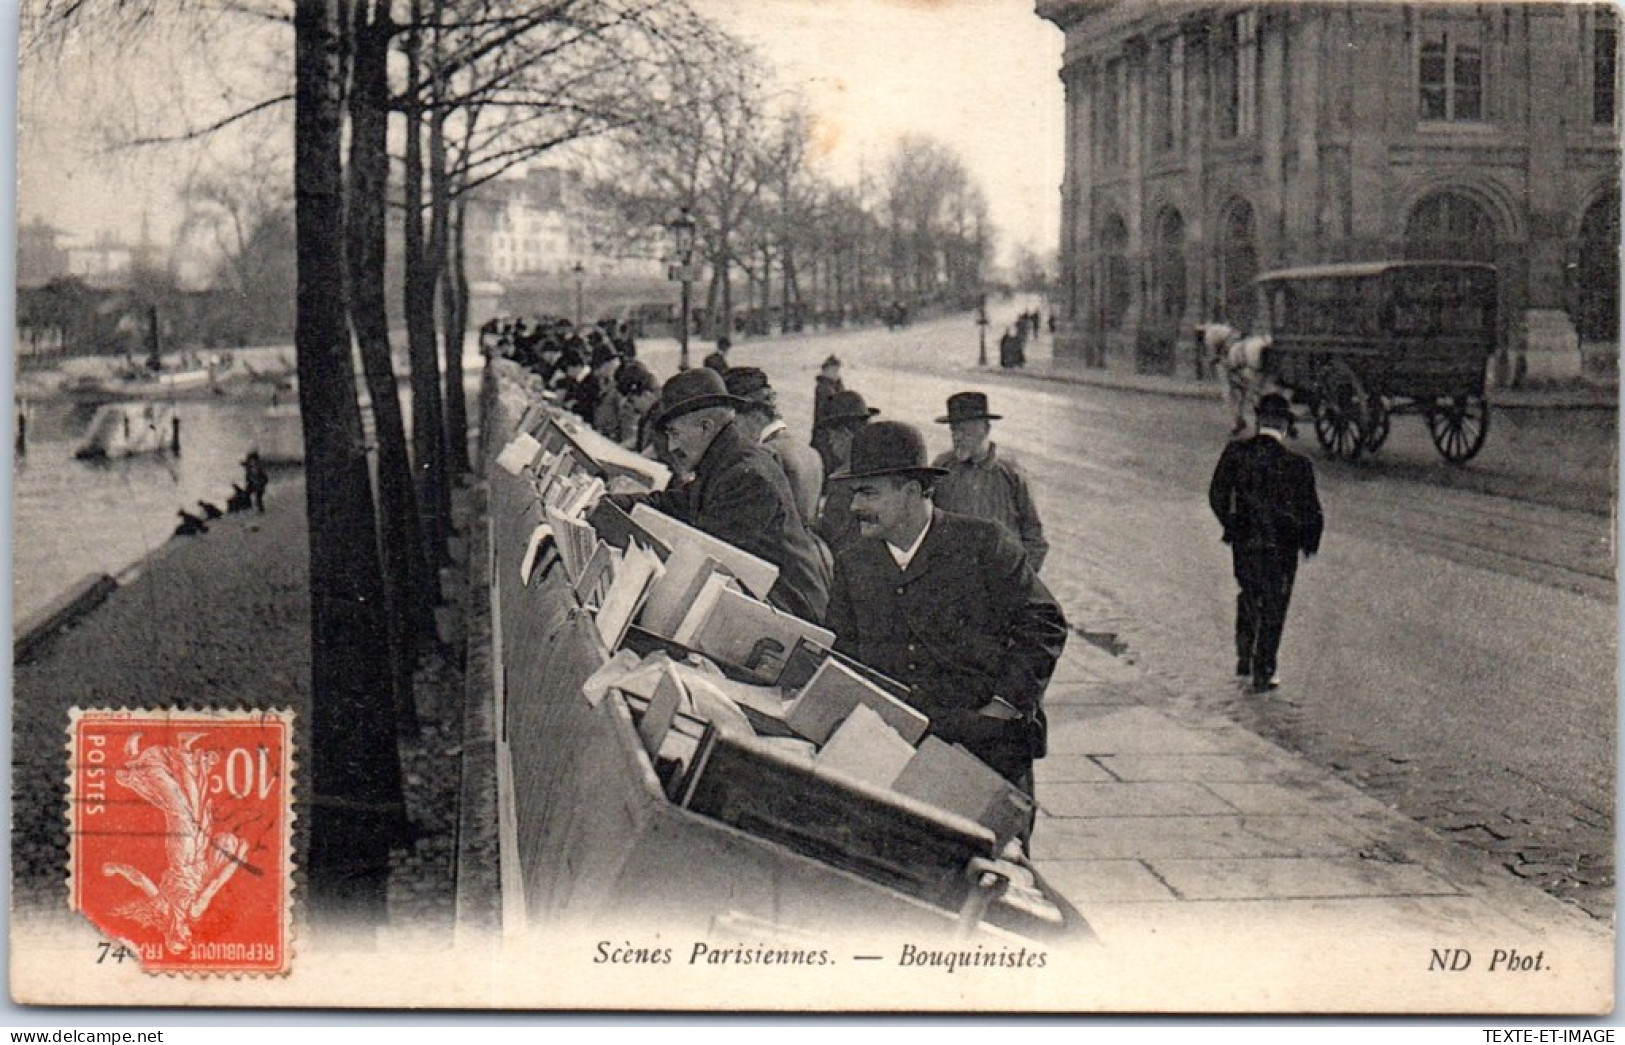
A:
(739, 830)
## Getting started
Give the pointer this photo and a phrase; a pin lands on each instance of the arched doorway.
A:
(1238, 266)
(1596, 272)
(1116, 277)
(1168, 277)
(1448, 226)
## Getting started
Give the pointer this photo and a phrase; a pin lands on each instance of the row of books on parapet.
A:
(742, 707)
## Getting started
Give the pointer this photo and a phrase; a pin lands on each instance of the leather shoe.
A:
(1264, 685)
(1243, 669)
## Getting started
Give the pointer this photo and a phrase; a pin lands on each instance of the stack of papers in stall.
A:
(755, 574)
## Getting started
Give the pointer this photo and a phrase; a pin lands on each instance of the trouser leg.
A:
(1276, 595)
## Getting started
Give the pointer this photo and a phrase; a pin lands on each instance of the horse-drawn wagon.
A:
(1360, 343)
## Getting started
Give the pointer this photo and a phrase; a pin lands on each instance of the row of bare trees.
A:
(737, 154)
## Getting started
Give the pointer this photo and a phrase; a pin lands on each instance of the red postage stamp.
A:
(180, 835)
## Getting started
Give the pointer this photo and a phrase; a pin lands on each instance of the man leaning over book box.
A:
(946, 604)
(738, 492)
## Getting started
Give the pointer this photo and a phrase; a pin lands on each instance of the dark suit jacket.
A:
(739, 494)
(1263, 494)
(967, 621)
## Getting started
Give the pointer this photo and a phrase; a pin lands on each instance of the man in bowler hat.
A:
(978, 481)
(1264, 496)
(845, 415)
(738, 492)
(760, 417)
(945, 604)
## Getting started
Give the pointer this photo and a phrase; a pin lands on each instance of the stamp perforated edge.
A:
(290, 763)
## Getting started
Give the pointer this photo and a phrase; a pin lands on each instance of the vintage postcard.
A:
(813, 506)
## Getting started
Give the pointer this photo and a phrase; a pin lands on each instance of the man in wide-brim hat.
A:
(738, 492)
(946, 604)
(847, 412)
(982, 482)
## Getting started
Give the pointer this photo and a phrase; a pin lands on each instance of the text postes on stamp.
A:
(179, 835)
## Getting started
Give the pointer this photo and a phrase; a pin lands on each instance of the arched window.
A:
(1597, 272)
(1116, 286)
(1169, 277)
(1238, 266)
(1448, 226)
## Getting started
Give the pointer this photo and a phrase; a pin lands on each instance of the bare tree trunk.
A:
(419, 306)
(400, 538)
(357, 807)
(456, 322)
(437, 478)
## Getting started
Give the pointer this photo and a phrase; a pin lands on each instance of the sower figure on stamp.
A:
(1264, 496)
(946, 604)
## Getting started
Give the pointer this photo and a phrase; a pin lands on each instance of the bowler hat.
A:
(633, 378)
(603, 353)
(1274, 406)
(831, 361)
(846, 408)
(748, 382)
(888, 448)
(967, 406)
(691, 390)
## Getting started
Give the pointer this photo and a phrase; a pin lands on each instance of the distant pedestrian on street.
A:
(718, 360)
(1264, 496)
(256, 479)
(979, 482)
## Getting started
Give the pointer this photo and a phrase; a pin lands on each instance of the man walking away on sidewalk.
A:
(1264, 496)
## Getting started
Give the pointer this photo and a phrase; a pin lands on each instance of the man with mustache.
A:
(945, 603)
(737, 492)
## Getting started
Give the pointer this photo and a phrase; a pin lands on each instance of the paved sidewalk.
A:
(1157, 814)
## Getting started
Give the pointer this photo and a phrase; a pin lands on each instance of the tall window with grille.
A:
(1604, 66)
(1450, 71)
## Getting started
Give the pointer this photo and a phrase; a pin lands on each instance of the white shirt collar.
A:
(774, 427)
(1275, 434)
(903, 556)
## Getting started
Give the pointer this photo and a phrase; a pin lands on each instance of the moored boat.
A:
(126, 429)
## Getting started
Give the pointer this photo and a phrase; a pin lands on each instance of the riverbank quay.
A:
(219, 620)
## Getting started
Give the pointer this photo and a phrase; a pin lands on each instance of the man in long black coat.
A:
(946, 604)
(1264, 496)
(738, 492)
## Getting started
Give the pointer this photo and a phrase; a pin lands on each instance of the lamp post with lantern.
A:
(682, 231)
(580, 274)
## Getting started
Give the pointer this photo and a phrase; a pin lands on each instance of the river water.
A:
(71, 517)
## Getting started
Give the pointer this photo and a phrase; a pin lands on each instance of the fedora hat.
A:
(847, 408)
(691, 390)
(888, 448)
(967, 406)
(748, 382)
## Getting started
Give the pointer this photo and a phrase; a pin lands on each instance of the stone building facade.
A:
(1206, 143)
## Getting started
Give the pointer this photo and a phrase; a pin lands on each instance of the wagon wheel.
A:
(1459, 427)
(1377, 432)
(1342, 412)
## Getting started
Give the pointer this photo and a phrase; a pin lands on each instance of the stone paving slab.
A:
(1063, 769)
(1192, 837)
(1300, 877)
(1273, 798)
(1106, 881)
(1206, 768)
(1116, 730)
(1062, 694)
(1131, 800)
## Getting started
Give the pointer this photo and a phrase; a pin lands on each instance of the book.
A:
(808, 657)
(834, 690)
(519, 453)
(687, 568)
(635, 571)
(539, 548)
(591, 584)
(748, 633)
(949, 777)
(669, 697)
(698, 610)
(865, 747)
(609, 458)
(615, 526)
(755, 574)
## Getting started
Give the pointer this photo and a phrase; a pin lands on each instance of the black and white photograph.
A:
(962, 507)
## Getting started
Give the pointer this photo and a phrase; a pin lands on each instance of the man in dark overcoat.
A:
(738, 492)
(1264, 496)
(946, 604)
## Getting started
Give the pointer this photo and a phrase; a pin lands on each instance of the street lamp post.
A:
(981, 333)
(682, 230)
(580, 274)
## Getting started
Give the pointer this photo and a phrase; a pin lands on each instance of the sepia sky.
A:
(982, 76)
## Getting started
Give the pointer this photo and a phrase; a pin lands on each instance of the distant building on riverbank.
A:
(1206, 143)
